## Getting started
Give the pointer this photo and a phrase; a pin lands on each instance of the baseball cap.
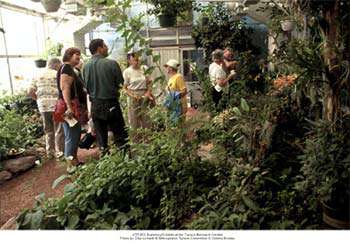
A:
(173, 63)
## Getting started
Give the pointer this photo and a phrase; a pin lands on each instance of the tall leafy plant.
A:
(218, 28)
(169, 7)
(326, 163)
(130, 28)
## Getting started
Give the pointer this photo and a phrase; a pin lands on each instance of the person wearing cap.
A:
(176, 83)
(218, 76)
(137, 86)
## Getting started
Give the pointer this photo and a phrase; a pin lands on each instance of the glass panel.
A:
(24, 33)
(4, 78)
(23, 71)
(113, 40)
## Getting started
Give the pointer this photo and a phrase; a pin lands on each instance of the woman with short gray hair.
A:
(217, 75)
(44, 91)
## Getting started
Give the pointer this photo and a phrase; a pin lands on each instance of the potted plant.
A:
(282, 15)
(326, 170)
(51, 5)
(40, 63)
(168, 11)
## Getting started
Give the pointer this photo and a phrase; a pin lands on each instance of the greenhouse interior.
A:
(175, 115)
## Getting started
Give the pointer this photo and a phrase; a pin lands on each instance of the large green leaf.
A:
(36, 219)
(244, 105)
(237, 111)
(250, 203)
(156, 58)
(73, 221)
(59, 180)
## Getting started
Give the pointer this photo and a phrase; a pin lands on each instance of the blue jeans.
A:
(71, 139)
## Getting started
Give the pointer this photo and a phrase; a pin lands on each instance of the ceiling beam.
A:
(21, 9)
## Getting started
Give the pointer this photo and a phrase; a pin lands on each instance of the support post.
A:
(6, 52)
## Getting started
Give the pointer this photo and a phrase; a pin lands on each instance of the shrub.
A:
(221, 31)
(156, 189)
(326, 163)
(20, 124)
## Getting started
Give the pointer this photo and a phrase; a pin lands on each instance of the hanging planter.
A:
(167, 20)
(168, 11)
(40, 63)
(51, 5)
(287, 25)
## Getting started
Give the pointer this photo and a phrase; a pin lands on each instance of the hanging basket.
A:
(51, 5)
(167, 20)
(287, 25)
(40, 63)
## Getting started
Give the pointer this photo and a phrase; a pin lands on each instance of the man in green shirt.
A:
(103, 79)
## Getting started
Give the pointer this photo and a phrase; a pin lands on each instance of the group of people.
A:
(93, 94)
(221, 71)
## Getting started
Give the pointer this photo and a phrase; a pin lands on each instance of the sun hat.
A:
(173, 63)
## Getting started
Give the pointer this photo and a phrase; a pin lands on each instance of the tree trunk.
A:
(332, 108)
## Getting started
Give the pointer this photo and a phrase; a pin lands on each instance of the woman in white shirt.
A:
(137, 86)
(218, 76)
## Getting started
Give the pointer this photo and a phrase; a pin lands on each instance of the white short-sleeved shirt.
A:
(135, 79)
(216, 72)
